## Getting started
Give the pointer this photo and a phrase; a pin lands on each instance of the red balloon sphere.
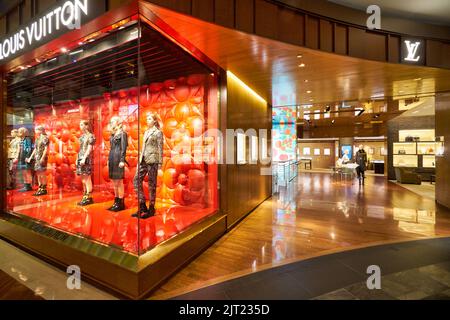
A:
(182, 93)
(170, 178)
(196, 180)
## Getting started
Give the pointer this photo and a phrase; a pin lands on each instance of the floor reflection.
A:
(313, 215)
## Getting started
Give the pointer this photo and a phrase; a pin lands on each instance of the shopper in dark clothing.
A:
(361, 160)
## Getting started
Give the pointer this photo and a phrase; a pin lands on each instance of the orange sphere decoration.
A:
(181, 93)
(156, 87)
(170, 178)
(182, 179)
(195, 79)
(182, 111)
(134, 131)
(106, 134)
(169, 126)
(195, 126)
(65, 135)
(59, 159)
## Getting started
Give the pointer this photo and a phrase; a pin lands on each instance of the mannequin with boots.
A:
(117, 161)
(25, 151)
(40, 157)
(13, 155)
(150, 160)
(85, 162)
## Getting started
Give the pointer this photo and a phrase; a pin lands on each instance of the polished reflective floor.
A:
(315, 215)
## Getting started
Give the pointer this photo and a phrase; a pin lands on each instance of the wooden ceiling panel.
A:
(272, 68)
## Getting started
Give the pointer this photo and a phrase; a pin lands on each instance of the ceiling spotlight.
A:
(302, 65)
(300, 56)
(417, 79)
(328, 109)
(64, 50)
(309, 91)
(333, 121)
(306, 81)
(311, 100)
(80, 43)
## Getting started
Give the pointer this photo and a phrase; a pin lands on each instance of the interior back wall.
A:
(443, 163)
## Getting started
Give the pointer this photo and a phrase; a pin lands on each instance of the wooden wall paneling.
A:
(183, 6)
(266, 19)
(246, 188)
(3, 26)
(290, 26)
(366, 45)
(43, 5)
(245, 19)
(224, 13)
(437, 54)
(13, 19)
(393, 49)
(203, 9)
(443, 163)
(312, 32)
(326, 35)
(340, 36)
(26, 11)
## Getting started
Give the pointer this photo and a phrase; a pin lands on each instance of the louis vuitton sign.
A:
(413, 51)
(68, 15)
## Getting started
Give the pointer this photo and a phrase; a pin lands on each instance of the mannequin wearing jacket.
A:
(117, 161)
(150, 159)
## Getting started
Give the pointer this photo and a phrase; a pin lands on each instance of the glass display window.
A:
(112, 142)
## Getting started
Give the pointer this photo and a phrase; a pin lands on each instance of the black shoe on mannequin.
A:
(114, 206)
(141, 211)
(120, 206)
(27, 187)
(150, 213)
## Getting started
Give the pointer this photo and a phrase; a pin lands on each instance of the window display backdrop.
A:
(187, 180)
(284, 133)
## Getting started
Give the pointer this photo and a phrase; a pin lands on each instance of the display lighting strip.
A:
(246, 87)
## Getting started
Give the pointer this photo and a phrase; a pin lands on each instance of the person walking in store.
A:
(361, 160)
(13, 155)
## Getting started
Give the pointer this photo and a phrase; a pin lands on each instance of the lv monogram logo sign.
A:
(412, 49)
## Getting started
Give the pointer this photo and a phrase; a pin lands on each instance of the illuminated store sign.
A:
(413, 51)
(66, 16)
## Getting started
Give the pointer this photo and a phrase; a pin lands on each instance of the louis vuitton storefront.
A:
(109, 145)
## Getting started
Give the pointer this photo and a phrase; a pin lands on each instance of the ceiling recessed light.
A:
(80, 43)
(309, 91)
(64, 50)
(300, 56)
(401, 91)
(306, 80)
(417, 79)
(333, 121)
(302, 65)
(311, 100)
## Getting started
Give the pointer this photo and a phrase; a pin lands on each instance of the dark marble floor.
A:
(409, 271)
(10, 289)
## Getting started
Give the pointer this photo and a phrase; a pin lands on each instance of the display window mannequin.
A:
(117, 161)
(25, 151)
(85, 162)
(150, 160)
(40, 157)
(13, 155)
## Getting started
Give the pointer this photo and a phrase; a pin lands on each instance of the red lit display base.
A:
(59, 209)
